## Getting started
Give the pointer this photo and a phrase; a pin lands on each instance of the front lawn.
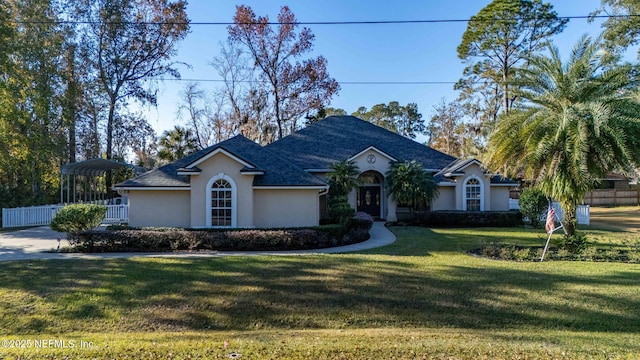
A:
(421, 297)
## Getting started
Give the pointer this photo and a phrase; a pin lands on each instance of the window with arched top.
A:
(473, 195)
(221, 202)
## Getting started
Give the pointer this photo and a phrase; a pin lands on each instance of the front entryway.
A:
(369, 200)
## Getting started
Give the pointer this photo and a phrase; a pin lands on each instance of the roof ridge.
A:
(290, 163)
(369, 123)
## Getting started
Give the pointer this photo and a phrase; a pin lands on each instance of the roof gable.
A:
(373, 148)
(269, 168)
(217, 150)
(457, 167)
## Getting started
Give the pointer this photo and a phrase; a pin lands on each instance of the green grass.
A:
(421, 297)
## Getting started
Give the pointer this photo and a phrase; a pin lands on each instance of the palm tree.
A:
(343, 177)
(409, 184)
(578, 121)
(176, 144)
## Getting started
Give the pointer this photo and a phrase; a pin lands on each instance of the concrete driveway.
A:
(29, 243)
(41, 243)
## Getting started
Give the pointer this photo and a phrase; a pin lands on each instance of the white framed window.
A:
(473, 195)
(221, 202)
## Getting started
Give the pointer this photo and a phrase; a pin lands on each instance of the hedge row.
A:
(175, 239)
(469, 218)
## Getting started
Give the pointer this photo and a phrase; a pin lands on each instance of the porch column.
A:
(391, 210)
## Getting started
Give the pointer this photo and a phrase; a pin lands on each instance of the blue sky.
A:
(393, 52)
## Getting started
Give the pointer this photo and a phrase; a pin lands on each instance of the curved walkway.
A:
(41, 242)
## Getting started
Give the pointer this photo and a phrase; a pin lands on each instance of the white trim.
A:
(469, 162)
(251, 172)
(217, 151)
(153, 188)
(234, 201)
(374, 149)
(291, 187)
(188, 173)
(446, 183)
(464, 192)
(383, 193)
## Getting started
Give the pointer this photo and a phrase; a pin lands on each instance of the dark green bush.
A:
(533, 204)
(78, 217)
(575, 244)
(340, 211)
(172, 239)
(469, 218)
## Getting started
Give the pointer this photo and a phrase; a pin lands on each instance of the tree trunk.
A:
(108, 175)
(505, 95)
(570, 220)
(70, 103)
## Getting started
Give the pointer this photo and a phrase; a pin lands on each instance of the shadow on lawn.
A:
(309, 292)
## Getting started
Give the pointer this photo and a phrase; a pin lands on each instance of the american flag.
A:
(551, 215)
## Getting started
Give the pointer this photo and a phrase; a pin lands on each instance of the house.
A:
(615, 181)
(238, 183)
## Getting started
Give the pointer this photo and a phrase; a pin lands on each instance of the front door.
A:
(369, 200)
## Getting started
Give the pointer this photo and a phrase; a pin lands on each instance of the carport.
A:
(84, 181)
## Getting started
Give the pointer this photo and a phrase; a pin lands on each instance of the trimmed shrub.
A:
(361, 220)
(533, 203)
(172, 239)
(469, 218)
(340, 211)
(78, 217)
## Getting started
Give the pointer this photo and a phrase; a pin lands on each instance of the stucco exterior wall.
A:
(499, 198)
(285, 208)
(469, 172)
(372, 160)
(159, 208)
(446, 199)
(221, 164)
(380, 164)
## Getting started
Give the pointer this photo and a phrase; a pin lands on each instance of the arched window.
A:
(221, 202)
(473, 195)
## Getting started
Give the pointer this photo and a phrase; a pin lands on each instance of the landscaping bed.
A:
(124, 239)
(525, 253)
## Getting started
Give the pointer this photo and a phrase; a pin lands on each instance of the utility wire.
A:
(341, 82)
(366, 22)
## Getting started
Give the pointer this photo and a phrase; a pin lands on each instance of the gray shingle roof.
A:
(338, 138)
(317, 146)
(459, 165)
(277, 170)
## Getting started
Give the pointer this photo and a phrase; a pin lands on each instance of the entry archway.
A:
(370, 194)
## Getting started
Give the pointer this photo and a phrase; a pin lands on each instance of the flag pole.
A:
(550, 227)
(546, 246)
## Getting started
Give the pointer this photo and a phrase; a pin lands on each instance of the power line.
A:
(365, 22)
(341, 82)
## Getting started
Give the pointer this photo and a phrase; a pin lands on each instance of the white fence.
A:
(42, 215)
(582, 212)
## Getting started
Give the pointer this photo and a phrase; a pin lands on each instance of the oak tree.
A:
(296, 85)
(402, 119)
(445, 128)
(130, 43)
(622, 28)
